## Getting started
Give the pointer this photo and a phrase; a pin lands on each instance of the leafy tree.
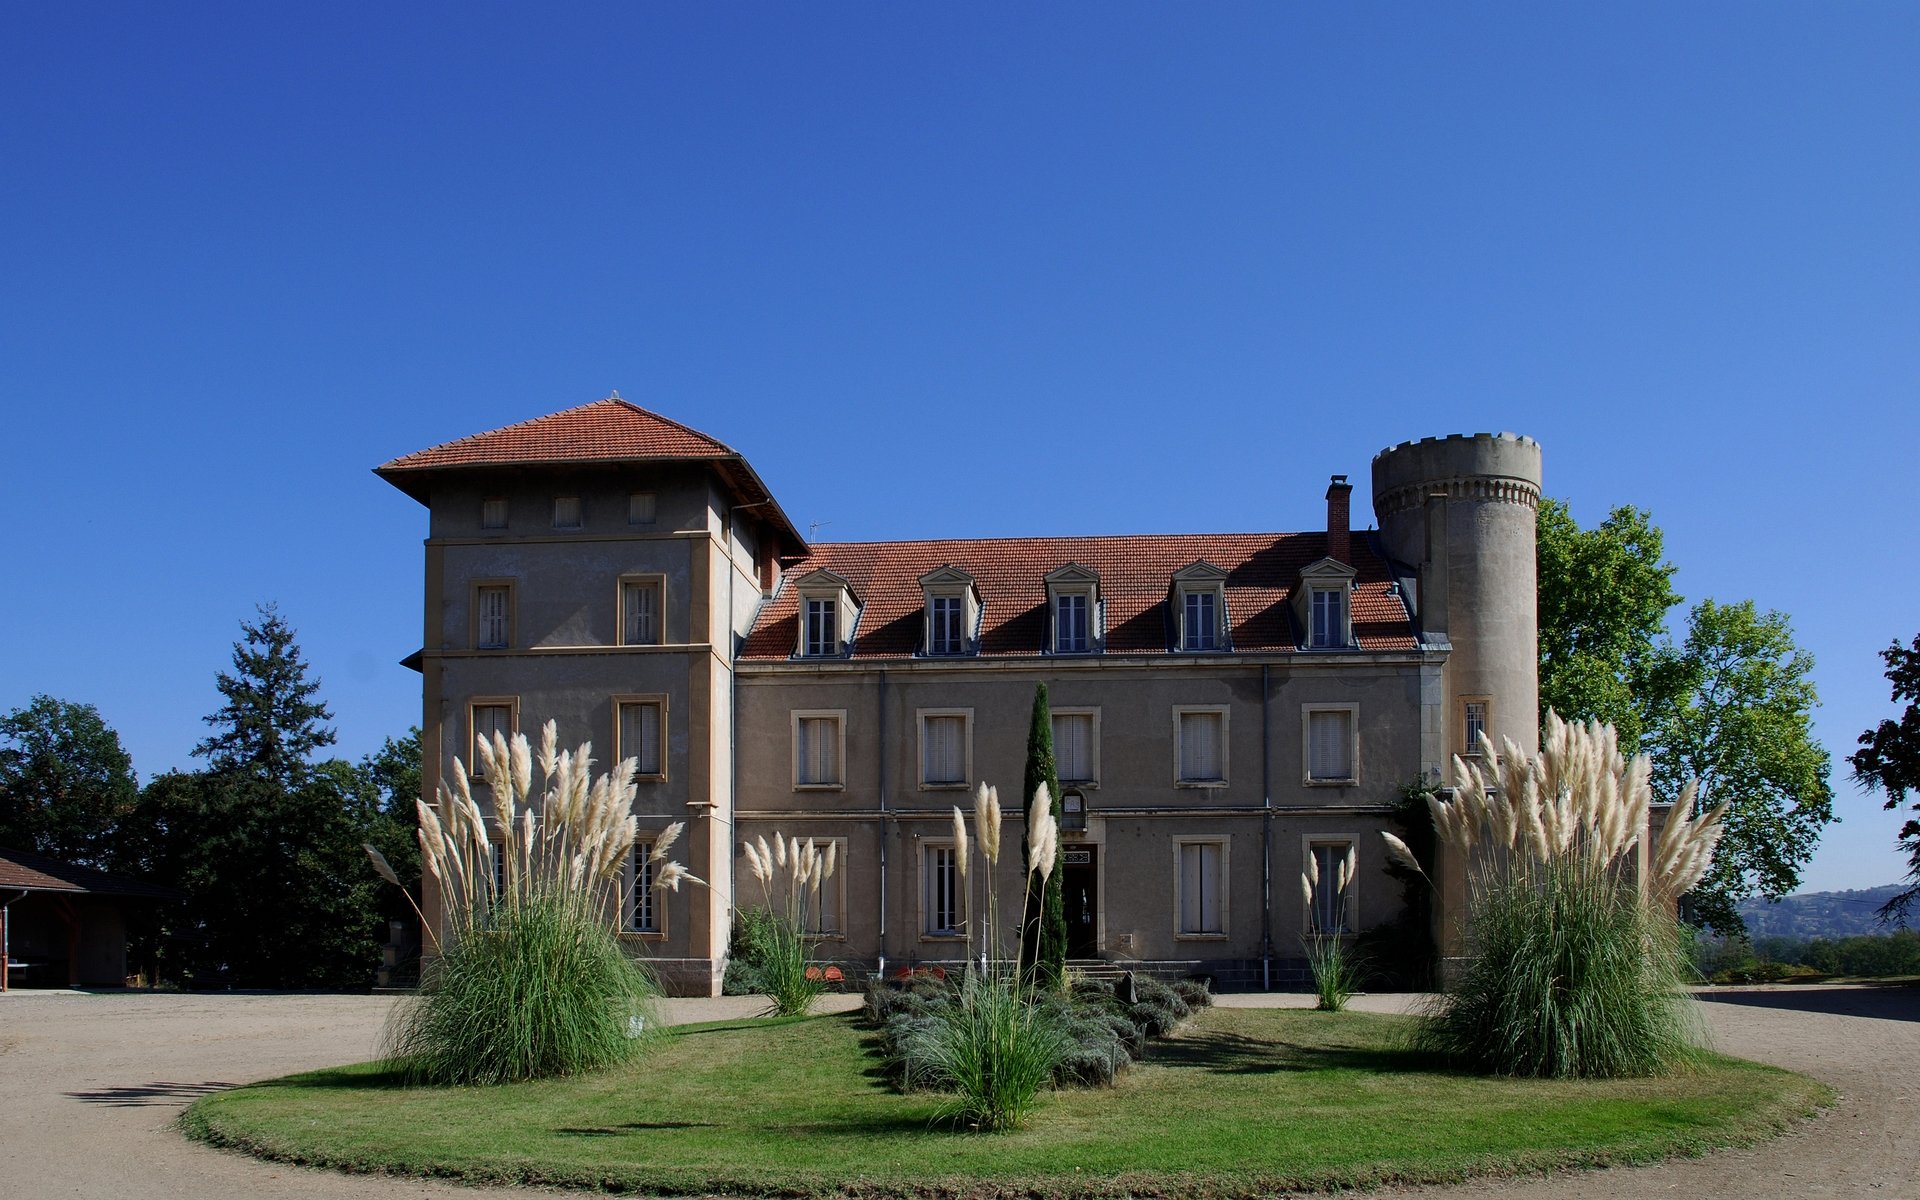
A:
(1741, 724)
(386, 785)
(271, 723)
(1889, 759)
(1043, 929)
(65, 781)
(1604, 594)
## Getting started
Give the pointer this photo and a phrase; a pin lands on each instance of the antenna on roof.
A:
(814, 527)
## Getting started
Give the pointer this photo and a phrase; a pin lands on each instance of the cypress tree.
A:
(1043, 928)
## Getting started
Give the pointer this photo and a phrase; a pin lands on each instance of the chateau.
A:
(1225, 706)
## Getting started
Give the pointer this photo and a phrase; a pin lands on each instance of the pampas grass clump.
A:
(1576, 969)
(530, 979)
(791, 873)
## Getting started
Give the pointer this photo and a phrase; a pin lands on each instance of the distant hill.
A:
(1820, 914)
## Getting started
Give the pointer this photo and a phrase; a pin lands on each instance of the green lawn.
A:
(1243, 1102)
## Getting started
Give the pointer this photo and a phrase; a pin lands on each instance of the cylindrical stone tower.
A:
(1458, 513)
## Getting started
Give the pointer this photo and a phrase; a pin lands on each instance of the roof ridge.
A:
(1072, 537)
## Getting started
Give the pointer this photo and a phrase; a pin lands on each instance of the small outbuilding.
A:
(64, 925)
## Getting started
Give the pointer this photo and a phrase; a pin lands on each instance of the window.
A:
(1474, 720)
(1076, 749)
(1073, 601)
(499, 868)
(640, 508)
(641, 736)
(1200, 746)
(945, 752)
(493, 616)
(1201, 880)
(1329, 618)
(1198, 628)
(640, 608)
(643, 912)
(1333, 905)
(826, 904)
(1330, 744)
(819, 745)
(823, 636)
(566, 512)
(486, 718)
(943, 904)
(1070, 624)
(828, 617)
(948, 635)
(493, 512)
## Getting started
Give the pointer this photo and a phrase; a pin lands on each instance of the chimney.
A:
(1339, 541)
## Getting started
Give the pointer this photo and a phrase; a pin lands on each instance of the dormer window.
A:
(952, 608)
(828, 613)
(1073, 609)
(1323, 604)
(1200, 608)
(823, 627)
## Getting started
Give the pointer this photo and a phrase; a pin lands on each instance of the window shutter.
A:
(1200, 888)
(945, 761)
(643, 614)
(646, 738)
(1331, 742)
(1072, 743)
(1200, 750)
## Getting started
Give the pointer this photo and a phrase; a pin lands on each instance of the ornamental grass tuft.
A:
(1576, 967)
(528, 978)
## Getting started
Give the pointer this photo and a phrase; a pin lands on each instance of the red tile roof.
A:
(607, 431)
(20, 870)
(610, 430)
(1136, 576)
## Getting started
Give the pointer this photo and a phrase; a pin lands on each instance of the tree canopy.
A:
(1741, 724)
(1889, 759)
(1730, 704)
(271, 722)
(65, 781)
(1604, 597)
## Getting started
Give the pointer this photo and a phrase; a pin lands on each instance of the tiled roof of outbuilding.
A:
(21, 870)
(1136, 577)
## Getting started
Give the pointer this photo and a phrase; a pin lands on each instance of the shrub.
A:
(994, 1050)
(1577, 964)
(531, 979)
(1197, 993)
(1336, 968)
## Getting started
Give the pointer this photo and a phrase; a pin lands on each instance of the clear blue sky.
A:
(940, 270)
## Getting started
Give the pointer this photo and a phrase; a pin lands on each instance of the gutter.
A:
(1266, 832)
(885, 830)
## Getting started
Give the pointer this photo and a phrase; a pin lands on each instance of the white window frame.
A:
(643, 508)
(476, 621)
(825, 585)
(1224, 892)
(1353, 744)
(658, 584)
(1093, 744)
(1201, 578)
(1083, 602)
(1339, 635)
(955, 607)
(921, 718)
(839, 718)
(560, 504)
(487, 504)
(1225, 713)
(928, 848)
(1469, 745)
(474, 704)
(638, 880)
(622, 751)
(1309, 843)
(1073, 581)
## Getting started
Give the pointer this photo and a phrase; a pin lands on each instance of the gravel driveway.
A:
(89, 1085)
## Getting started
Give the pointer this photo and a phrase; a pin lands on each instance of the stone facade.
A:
(1328, 670)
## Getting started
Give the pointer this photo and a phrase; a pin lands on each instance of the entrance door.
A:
(1080, 888)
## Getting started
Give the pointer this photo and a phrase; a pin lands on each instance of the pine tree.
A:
(1043, 929)
(271, 723)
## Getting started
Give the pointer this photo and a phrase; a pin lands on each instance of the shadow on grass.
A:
(631, 1127)
(1236, 1054)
